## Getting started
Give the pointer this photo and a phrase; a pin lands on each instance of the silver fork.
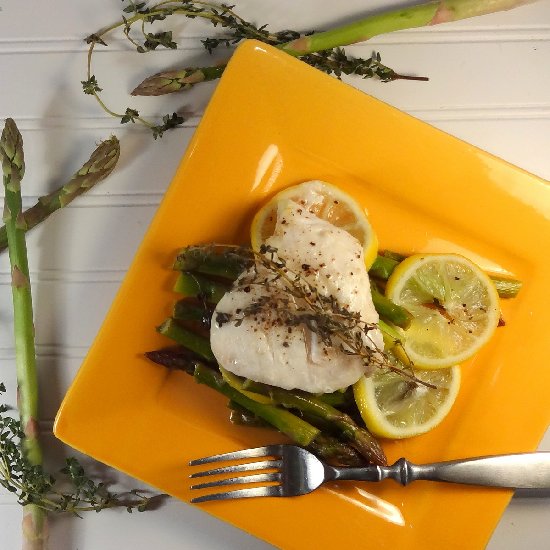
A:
(298, 472)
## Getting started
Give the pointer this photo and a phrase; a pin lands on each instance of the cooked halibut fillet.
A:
(293, 357)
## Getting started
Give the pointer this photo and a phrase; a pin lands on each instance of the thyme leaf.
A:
(129, 116)
(90, 86)
(168, 122)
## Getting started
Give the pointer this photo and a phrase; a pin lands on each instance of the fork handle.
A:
(512, 471)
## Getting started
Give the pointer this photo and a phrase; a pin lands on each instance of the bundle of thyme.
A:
(73, 492)
(322, 50)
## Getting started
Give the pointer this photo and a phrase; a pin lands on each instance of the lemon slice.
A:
(455, 308)
(328, 203)
(393, 407)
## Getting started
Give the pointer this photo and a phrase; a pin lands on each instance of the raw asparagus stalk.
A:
(426, 14)
(13, 166)
(98, 167)
(421, 15)
(168, 82)
(331, 61)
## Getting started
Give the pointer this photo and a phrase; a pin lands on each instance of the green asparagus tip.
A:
(11, 151)
(165, 82)
(103, 159)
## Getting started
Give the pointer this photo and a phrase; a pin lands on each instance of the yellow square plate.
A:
(273, 122)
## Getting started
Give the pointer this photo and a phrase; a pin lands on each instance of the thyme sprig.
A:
(237, 29)
(336, 62)
(296, 302)
(143, 14)
(31, 484)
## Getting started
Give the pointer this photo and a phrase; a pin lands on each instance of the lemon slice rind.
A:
(337, 207)
(455, 306)
(393, 416)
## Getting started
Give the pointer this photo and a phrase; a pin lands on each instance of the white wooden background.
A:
(489, 85)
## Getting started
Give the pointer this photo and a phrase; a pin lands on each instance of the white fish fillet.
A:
(297, 359)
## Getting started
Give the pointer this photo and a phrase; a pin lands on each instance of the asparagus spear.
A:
(185, 310)
(230, 264)
(335, 452)
(426, 14)
(193, 285)
(506, 288)
(243, 417)
(176, 357)
(214, 260)
(385, 263)
(382, 267)
(389, 311)
(184, 337)
(359, 438)
(98, 167)
(168, 82)
(13, 166)
(286, 422)
(325, 446)
(325, 416)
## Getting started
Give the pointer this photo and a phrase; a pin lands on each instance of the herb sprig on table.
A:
(331, 60)
(322, 50)
(21, 468)
(75, 492)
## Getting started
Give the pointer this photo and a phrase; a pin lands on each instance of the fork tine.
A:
(259, 465)
(269, 450)
(241, 479)
(270, 491)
